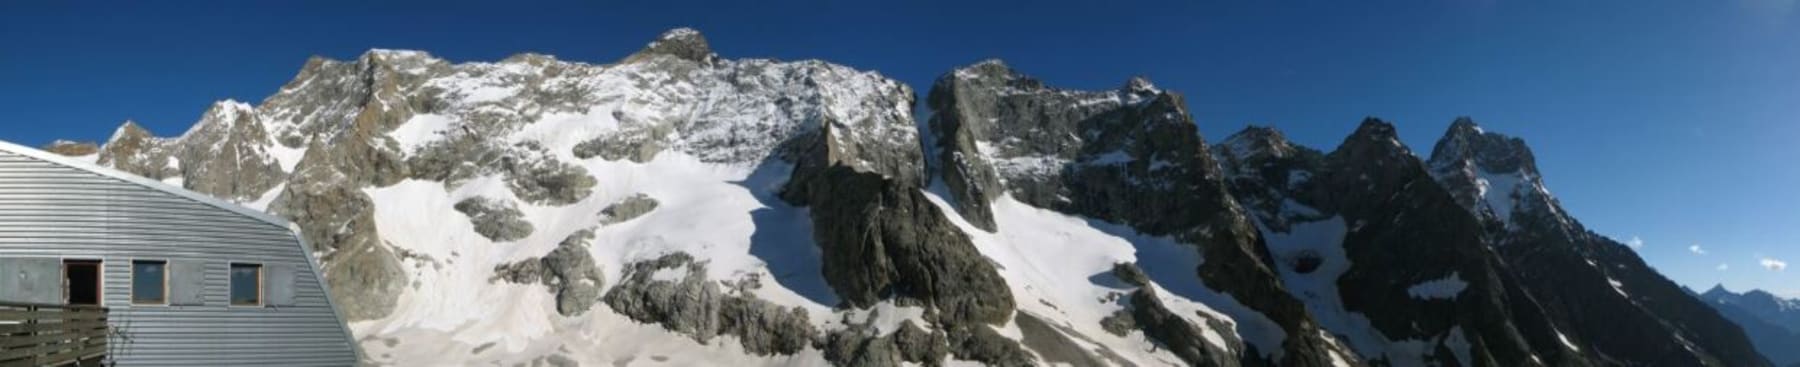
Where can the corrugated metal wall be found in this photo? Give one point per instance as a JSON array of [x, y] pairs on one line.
[[57, 211]]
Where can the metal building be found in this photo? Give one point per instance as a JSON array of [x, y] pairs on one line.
[[185, 279]]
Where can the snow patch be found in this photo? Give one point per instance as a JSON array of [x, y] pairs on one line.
[[1447, 287]]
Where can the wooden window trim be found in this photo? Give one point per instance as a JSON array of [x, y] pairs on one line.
[[99, 277], [261, 299], [132, 279]]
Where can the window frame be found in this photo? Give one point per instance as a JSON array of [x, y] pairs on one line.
[[62, 276], [132, 279], [231, 283]]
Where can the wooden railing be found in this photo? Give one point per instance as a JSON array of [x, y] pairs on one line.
[[51, 335]]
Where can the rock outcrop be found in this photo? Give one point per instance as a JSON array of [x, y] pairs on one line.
[[497, 220], [675, 291], [134, 149], [337, 219], [627, 209], [569, 271]]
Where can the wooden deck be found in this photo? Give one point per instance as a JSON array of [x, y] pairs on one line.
[[52, 335]]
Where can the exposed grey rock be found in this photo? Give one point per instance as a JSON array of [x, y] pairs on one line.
[[1050, 343], [916, 345], [882, 238], [683, 43], [569, 271], [455, 159], [135, 150], [542, 179], [72, 148], [683, 300], [859, 346], [226, 155], [1130, 274], [1183, 338], [981, 343], [372, 93], [627, 209], [1119, 323], [336, 218], [639, 144], [497, 220]]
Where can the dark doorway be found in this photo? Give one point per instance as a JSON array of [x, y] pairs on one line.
[[81, 282]]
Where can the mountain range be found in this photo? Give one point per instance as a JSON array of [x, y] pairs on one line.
[[1773, 323], [682, 208]]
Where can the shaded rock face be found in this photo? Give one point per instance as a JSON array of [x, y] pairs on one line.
[[1643, 319], [569, 271], [497, 220], [860, 345], [1129, 156], [336, 219], [1400, 230], [674, 291], [879, 235], [882, 238], [627, 209], [1146, 312], [72, 148]]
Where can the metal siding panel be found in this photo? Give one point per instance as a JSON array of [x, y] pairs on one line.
[[33, 280], [53, 211], [281, 285], [187, 283]]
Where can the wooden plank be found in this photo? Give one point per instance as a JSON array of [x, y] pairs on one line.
[[48, 326], [16, 342], [25, 315], [27, 353], [70, 355]]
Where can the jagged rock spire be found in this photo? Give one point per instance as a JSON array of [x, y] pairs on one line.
[[1495, 176], [684, 43]]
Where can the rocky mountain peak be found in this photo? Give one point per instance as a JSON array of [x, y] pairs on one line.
[[223, 114], [1466, 143], [72, 148], [1717, 290], [1257, 141], [1375, 141], [683, 43], [1139, 84], [128, 131], [1494, 176]]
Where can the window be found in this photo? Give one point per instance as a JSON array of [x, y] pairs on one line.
[[246, 285], [149, 282], [81, 282]]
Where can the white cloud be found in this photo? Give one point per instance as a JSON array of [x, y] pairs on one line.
[[1724, 266], [1696, 249], [1773, 264], [1635, 242]]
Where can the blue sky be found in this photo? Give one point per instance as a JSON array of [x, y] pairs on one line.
[[1673, 121]]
